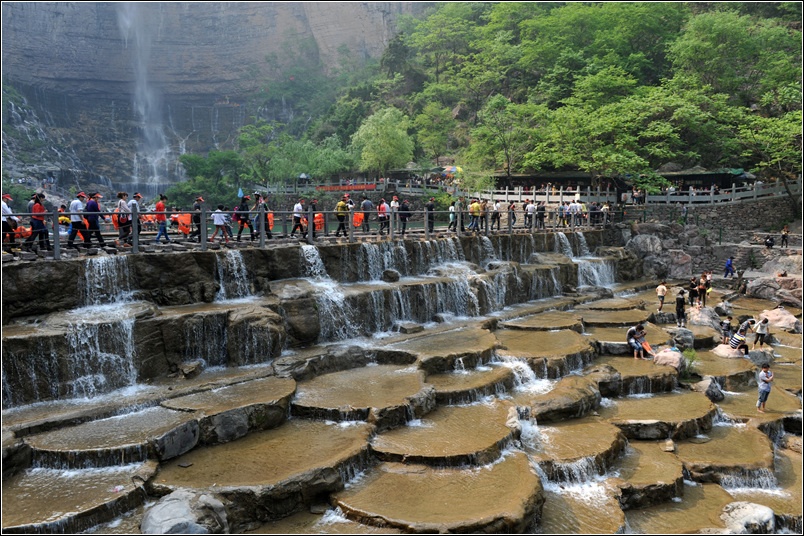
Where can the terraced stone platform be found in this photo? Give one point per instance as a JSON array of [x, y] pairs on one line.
[[421, 499], [385, 395], [662, 416], [473, 434]]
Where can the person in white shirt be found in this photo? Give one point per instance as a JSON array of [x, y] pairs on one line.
[[219, 220], [77, 220], [531, 213], [495, 215], [394, 211], [8, 220], [298, 214]]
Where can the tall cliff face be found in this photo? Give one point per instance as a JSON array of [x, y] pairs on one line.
[[124, 88], [190, 50]]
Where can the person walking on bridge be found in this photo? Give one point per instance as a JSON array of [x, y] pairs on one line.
[[77, 221]]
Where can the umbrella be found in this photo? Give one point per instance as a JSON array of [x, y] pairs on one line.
[[453, 169], [304, 176]]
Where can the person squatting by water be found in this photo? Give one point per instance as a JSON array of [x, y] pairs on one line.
[[636, 339], [738, 342], [764, 381]]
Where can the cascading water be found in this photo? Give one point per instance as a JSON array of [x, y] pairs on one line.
[[107, 279], [591, 272], [205, 338], [154, 158], [563, 245], [596, 272], [232, 276], [583, 247]]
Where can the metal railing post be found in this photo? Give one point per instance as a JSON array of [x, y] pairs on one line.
[[135, 224], [56, 236], [263, 225], [426, 223], [310, 224], [203, 229]]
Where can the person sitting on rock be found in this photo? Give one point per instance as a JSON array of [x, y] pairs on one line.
[[738, 342]]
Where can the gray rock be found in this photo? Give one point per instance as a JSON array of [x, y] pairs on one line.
[[713, 392], [743, 517], [186, 512], [682, 338], [390, 276]]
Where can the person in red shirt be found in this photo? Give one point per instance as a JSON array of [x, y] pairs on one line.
[[161, 219], [38, 229]]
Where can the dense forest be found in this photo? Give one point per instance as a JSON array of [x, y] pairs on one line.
[[611, 89]]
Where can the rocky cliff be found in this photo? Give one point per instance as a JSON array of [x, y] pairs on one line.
[[193, 51], [113, 93]]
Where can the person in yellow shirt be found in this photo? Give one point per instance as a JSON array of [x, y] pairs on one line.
[[474, 213]]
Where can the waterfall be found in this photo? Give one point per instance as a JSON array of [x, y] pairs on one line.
[[562, 245], [312, 264], [205, 338], [102, 356], [487, 253], [749, 478], [583, 247], [543, 287], [232, 276], [337, 317], [153, 159], [374, 258], [596, 273], [107, 279]]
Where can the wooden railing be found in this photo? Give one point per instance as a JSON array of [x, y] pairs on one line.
[[555, 195]]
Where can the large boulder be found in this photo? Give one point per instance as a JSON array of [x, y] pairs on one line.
[[705, 316], [682, 337], [186, 512], [743, 517], [786, 290], [644, 245], [680, 264], [724, 350], [783, 319], [670, 357]]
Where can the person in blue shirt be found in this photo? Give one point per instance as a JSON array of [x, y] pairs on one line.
[[729, 269]]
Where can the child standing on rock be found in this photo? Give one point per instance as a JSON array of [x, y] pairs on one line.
[[765, 379]]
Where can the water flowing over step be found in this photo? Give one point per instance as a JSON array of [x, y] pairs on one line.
[[449, 436], [661, 416], [421, 499], [429, 402]]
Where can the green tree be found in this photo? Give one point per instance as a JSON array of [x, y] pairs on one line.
[[433, 127], [737, 55], [383, 142], [502, 136], [773, 144]]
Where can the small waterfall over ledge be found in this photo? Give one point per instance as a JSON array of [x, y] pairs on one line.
[[232, 276], [592, 272]]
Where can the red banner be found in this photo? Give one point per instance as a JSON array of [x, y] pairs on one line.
[[347, 188]]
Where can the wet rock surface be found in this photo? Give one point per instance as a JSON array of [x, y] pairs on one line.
[[378, 434]]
